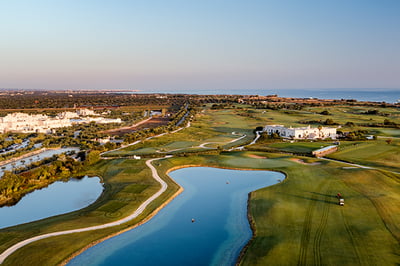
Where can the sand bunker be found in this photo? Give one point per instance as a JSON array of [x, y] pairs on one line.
[[257, 156], [303, 162]]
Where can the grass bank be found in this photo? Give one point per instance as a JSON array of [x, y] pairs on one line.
[[128, 183], [297, 221], [377, 154]]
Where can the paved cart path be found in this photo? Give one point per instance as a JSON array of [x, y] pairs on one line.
[[135, 214]]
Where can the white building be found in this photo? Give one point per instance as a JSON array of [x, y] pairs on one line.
[[21, 122], [85, 112], [301, 132], [27, 123], [67, 114], [100, 120]]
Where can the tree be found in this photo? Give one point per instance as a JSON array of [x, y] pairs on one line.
[[329, 121], [325, 112], [92, 157]]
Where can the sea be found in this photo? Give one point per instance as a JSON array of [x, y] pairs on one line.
[[374, 95]]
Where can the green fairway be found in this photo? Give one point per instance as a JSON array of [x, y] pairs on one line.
[[372, 153], [299, 221], [299, 147], [128, 183], [296, 222], [339, 114], [211, 129]]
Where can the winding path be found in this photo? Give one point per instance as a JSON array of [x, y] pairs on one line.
[[135, 214], [138, 141], [357, 165], [231, 141]]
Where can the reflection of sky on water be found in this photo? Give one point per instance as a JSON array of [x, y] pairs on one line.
[[216, 237], [59, 197], [34, 158]]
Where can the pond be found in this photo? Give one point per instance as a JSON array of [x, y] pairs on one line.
[[205, 225], [58, 198], [34, 158]]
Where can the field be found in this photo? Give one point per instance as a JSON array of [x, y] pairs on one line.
[[210, 130], [372, 153], [298, 147], [339, 114], [299, 221], [152, 123], [127, 185], [296, 222]]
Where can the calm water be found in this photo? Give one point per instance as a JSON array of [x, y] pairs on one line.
[[219, 232], [34, 158], [59, 197], [376, 95]]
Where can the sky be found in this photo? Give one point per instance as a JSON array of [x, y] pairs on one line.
[[199, 44]]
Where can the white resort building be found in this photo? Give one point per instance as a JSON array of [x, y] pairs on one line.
[[27, 123], [302, 132]]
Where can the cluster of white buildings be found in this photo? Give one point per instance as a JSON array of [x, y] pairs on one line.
[[302, 132], [39, 123]]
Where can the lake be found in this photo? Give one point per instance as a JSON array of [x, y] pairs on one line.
[[217, 201], [58, 198], [34, 158]]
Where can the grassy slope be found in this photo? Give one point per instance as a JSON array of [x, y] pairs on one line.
[[297, 221], [339, 114], [372, 153], [214, 127], [127, 183], [299, 147]]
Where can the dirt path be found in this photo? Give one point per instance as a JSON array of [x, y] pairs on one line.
[[135, 214]]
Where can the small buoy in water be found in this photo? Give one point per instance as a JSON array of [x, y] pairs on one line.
[[192, 220]]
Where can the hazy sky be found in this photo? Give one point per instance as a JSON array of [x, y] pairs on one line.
[[199, 44]]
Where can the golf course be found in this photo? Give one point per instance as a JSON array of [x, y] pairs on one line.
[[295, 222]]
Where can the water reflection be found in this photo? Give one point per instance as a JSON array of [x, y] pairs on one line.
[[59, 197], [217, 201]]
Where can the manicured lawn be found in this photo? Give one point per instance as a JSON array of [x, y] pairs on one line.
[[299, 147], [386, 132], [297, 221], [128, 183], [371, 153], [213, 127], [339, 114]]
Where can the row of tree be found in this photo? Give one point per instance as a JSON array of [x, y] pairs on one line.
[[14, 186]]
